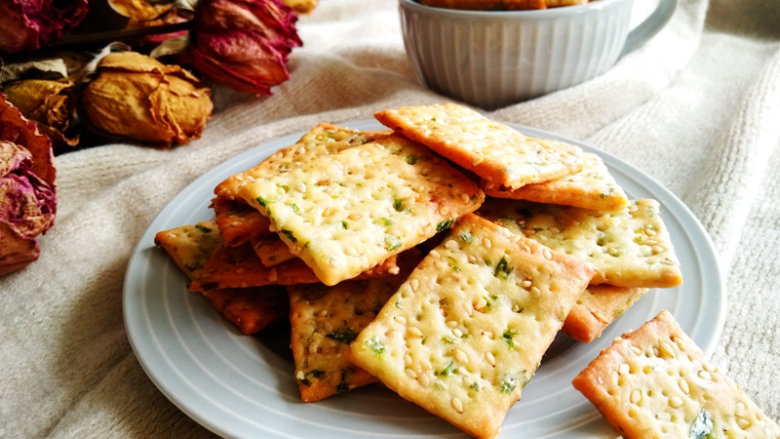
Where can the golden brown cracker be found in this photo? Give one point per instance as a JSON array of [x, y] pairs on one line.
[[271, 250], [468, 328], [593, 187], [238, 221], [498, 154], [342, 213], [190, 246], [239, 267], [598, 307], [655, 382], [630, 247], [250, 309], [321, 140]]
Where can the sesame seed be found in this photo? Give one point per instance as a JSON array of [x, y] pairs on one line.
[[527, 284], [675, 402], [623, 369], [424, 380], [407, 360], [481, 303], [411, 373], [414, 331], [414, 283], [683, 386], [451, 244], [460, 356], [400, 319], [490, 359], [457, 405], [636, 396], [487, 242], [635, 350], [355, 216], [743, 423], [425, 364], [452, 323], [457, 332], [434, 254]]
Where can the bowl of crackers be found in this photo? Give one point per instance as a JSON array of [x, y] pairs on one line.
[[493, 53]]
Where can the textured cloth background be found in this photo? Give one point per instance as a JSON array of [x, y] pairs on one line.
[[697, 108]]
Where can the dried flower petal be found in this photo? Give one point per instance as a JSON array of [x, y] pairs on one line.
[[49, 103], [15, 128], [137, 97], [31, 24], [244, 44], [27, 203]]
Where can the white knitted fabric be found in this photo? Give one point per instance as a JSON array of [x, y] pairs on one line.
[[697, 108]]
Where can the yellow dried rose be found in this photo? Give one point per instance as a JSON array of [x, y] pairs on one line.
[[49, 103], [137, 97]]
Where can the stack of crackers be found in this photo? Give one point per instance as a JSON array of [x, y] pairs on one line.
[[439, 257]]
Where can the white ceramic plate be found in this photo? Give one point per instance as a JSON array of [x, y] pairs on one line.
[[242, 386]]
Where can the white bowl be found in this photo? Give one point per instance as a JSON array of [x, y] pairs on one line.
[[490, 59]]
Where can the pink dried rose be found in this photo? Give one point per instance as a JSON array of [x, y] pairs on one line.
[[32, 24], [28, 203], [244, 44]]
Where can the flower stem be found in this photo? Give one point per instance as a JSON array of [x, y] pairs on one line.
[[98, 39]]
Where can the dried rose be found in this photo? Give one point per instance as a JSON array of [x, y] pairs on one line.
[[244, 44], [27, 208], [137, 97], [16, 128], [49, 103], [28, 203], [31, 24]]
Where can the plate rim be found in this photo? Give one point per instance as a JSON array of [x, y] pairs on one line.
[[715, 291]]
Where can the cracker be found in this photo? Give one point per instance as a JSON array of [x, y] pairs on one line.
[[238, 222], [655, 382], [593, 187], [324, 321], [630, 247], [596, 308], [343, 213], [271, 250], [190, 246], [468, 328], [321, 140], [239, 267], [500, 155], [250, 309]]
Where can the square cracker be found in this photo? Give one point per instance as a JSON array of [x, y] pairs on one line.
[[271, 250], [238, 222], [343, 213], [325, 320], [190, 246], [468, 328], [321, 140], [593, 187], [498, 154], [655, 382], [629, 247], [250, 309], [597, 308], [239, 267]]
